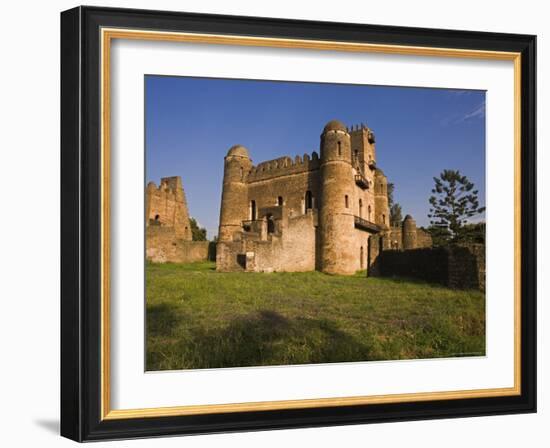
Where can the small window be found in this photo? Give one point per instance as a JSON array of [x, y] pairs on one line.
[[339, 148], [383, 219], [157, 217], [253, 210], [360, 208], [346, 198], [280, 201], [308, 201], [369, 213]]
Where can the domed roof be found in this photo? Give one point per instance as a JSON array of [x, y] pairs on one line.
[[335, 125], [238, 150], [408, 218]]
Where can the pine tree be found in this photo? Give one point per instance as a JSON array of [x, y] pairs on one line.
[[453, 202]]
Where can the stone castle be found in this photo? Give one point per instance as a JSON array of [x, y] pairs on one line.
[[326, 212]]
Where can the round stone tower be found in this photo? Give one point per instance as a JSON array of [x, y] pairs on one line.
[[381, 207], [409, 233], [234, 207], [336, 221]]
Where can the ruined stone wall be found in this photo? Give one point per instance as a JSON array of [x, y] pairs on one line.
[[166, 206], [423, 238], [459, 267], [293, 249], [467, 267], [163, 246]]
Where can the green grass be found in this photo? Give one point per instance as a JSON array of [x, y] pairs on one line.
[[199, 318]]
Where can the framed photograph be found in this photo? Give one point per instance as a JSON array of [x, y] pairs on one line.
[[276, 224]]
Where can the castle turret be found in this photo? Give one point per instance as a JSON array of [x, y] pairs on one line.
[[234, 206], [363, 148], [409, 233], [382, 216], [336, 221]]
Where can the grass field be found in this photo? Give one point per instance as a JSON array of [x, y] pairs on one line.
[[198, 318]]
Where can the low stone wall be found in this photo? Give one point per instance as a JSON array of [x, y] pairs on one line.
[[163, 247], [458, 267]]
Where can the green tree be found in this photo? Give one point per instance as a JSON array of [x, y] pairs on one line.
[[472, 233], [396, 215], [198, 233], [391, 189], [453, 201], [441, 236]]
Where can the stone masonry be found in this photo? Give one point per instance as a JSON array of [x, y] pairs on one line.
[[168, 236]]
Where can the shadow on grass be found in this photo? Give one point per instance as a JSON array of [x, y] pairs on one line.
[[161, 320], [257, 339]]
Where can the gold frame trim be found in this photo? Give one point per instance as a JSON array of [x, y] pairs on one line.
[[107, 35]]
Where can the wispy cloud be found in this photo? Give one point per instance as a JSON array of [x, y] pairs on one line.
[[477, 112]]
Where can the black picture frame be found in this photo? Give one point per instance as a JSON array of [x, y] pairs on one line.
[[81, 224]]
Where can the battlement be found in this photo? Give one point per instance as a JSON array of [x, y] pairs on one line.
[[171, 184], [283, 166], [362, 128]]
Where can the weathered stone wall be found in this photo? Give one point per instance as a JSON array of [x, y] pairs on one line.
[[423, 238], [291, 189], [166, 206], [162, 246], [395, 238], [263, 252], [459, 267], [467, 267]]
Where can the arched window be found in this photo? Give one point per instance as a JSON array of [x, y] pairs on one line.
[[308, 201], [253, 210], [383, 219], [346, 199], [157, 217], [360, 208], [339, 148], [280, 201], [369, 213]]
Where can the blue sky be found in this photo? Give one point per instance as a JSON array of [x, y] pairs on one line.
[[192, 122]]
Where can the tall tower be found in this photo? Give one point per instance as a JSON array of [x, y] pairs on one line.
[[234, 207], [381, 206], [336, 221], [409, 233], [363, 148]]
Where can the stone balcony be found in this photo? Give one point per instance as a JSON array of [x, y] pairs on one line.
[[363, 224], [361, 181]]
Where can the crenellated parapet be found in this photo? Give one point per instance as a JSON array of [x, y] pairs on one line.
[[283, 166]]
